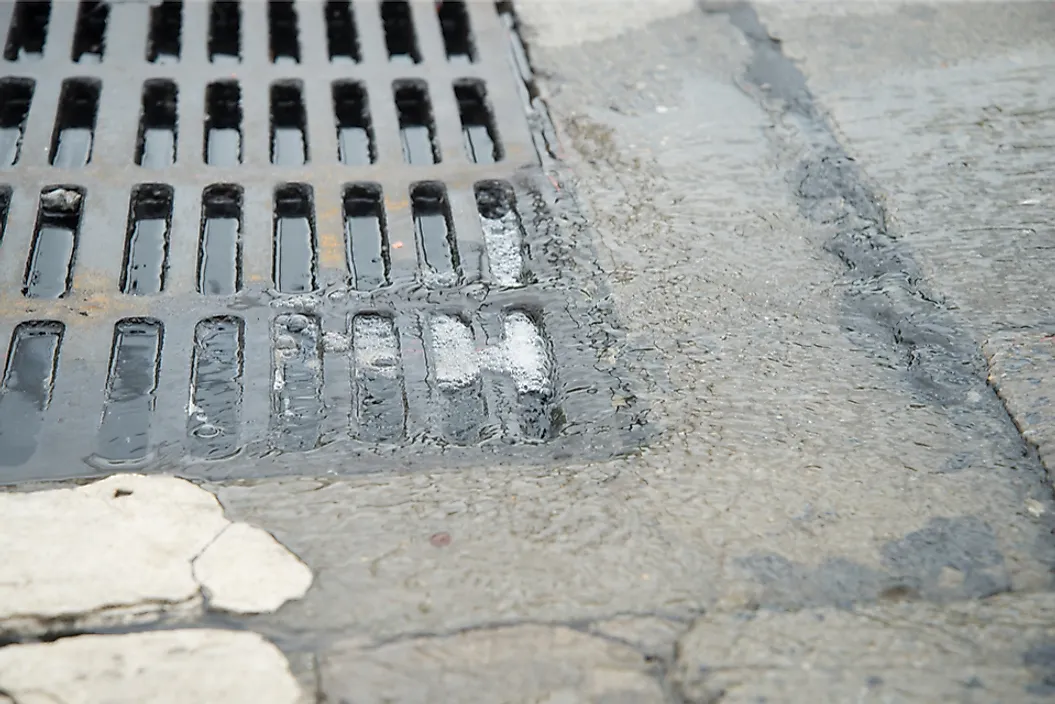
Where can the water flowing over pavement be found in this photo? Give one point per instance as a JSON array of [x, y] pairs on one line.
[[802, 254]]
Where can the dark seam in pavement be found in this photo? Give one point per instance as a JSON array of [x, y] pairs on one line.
[[580, 625], [59, 627], [888, 301]]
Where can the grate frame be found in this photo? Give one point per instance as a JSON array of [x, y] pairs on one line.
[[564, 295]]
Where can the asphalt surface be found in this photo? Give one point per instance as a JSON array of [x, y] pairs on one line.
[[827, 234]]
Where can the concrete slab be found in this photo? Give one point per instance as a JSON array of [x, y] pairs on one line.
[[165, 667], [1000, 649], [1022, 370], [130, 549]]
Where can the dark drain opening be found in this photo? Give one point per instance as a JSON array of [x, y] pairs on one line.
[[457, 35], [400, 38], [416, 129], [289, 137], [355, 136], [341, 33], [166, 26], [366, 236], [71, 142], [131, 386], [49, 270], [16, 94], [5, 207], [29, 30], [503, 232], [223, 124], [220, 253], [478, 129], [225, 32], [282, 26], [25, 394], [89, 39], [296, 398], [147, 244], [156, 144], [435, 232], [377, 380], [214, 415], [295, 263]]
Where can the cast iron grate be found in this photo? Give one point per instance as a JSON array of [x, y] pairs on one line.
[[253, 238]]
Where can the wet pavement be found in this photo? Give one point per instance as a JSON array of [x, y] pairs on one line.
[[810, 243]]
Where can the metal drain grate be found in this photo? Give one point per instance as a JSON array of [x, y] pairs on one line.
[[254, 238]]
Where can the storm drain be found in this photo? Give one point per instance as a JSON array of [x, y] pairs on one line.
[[258, 238]]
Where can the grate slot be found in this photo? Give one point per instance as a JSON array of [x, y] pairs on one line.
[[25, 393], [355, 135], [282, 29], [435, 233], [366, 236], [503, 231], [29, 31], [71, 141], [400, 38], [220, 253], [526, 358], [380, 403], [457, 33], [456, 373], [50, 267], [223, 124], [295, 263], [215, 409], [156, 144], [289, 130], [5, 208], [147, 243], [131, 387], [479, 136], [166, 28], [16, 95], [89, 37], [296, 382], [342, 36], [225, 32], [417, 131]]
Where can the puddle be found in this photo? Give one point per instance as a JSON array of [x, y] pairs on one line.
[[416, 130], [432, 226], [355, 136], [364, 228], [380, 406], [25, 393], [214, 412], [223, 124], [124, 433], [296, 388], [294, 256], [71, 146], [49, 271], [220, 254], [146, 252]]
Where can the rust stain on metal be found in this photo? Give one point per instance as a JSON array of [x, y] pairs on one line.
[[331, 250], [394, 204]]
